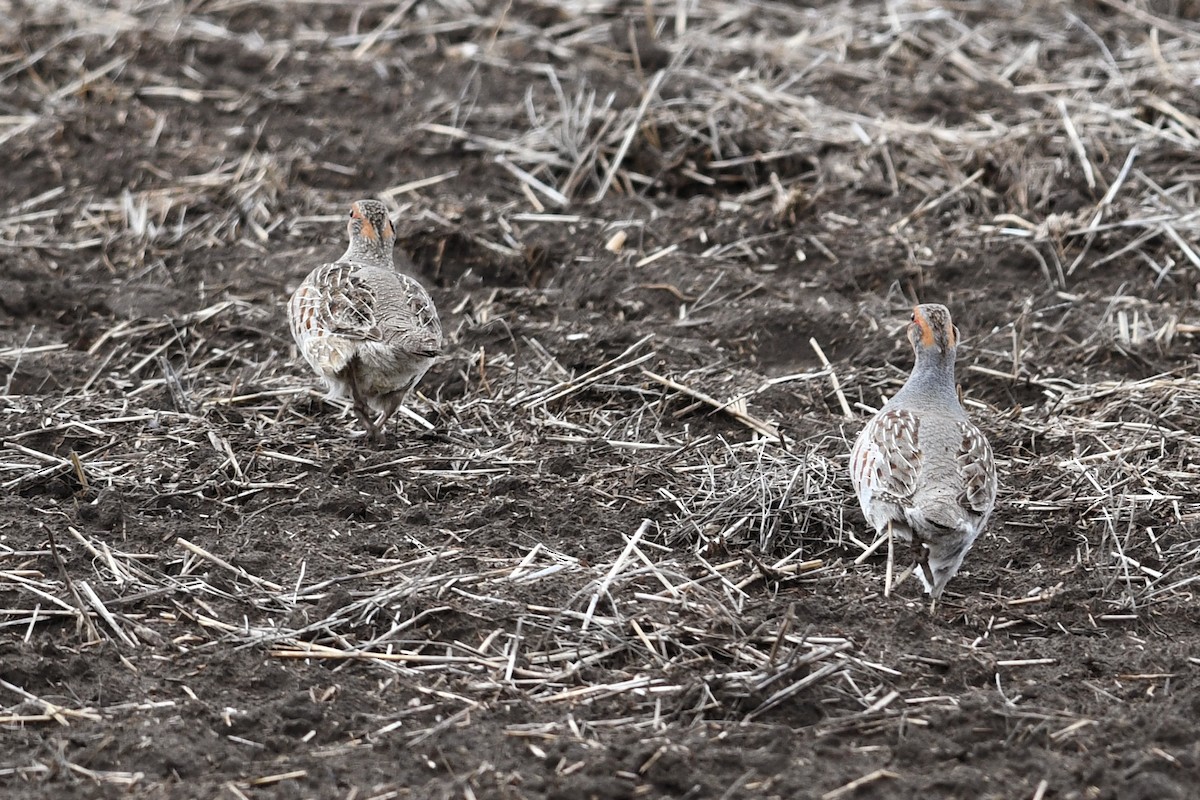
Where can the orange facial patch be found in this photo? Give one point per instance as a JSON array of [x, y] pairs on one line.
[[366, 228], [924, 326]]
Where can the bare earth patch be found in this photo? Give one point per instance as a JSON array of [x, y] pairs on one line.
[[674, 245]]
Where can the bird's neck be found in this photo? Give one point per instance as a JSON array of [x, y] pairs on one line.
[[370, 252], [933, 374]]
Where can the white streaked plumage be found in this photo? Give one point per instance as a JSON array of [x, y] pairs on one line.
[[370, 331], [920, 465]]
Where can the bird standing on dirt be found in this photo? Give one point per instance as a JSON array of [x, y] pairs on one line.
[[922, 471], [370, 331]]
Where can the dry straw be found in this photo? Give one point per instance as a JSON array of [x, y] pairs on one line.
[[206, 409]]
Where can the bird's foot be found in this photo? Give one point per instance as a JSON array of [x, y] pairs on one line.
[[372, 426]]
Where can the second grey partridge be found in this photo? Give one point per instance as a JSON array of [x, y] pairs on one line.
[[922, 470], [370, 331]]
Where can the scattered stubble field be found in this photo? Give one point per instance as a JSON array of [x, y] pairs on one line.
[[622, 564]]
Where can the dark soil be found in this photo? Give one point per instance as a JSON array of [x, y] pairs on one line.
[[181, 517]]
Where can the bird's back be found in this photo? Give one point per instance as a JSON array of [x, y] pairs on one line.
[[404, 311], [331, 314], [928, 472], [348, 310]]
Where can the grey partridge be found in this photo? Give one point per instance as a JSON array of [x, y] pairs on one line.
[[370, 331], [923, 472]]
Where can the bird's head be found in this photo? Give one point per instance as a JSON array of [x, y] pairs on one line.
[[371, 230], [932, 331]]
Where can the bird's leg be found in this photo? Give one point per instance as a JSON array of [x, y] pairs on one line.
[[362, 410], [925, 568], [887, 576], [390, 403], [364, 416], [923, 560]]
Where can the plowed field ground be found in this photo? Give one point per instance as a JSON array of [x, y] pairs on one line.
[[674, 245]]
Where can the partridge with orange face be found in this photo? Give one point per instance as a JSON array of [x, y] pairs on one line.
[[370, 331], [923, 472]]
